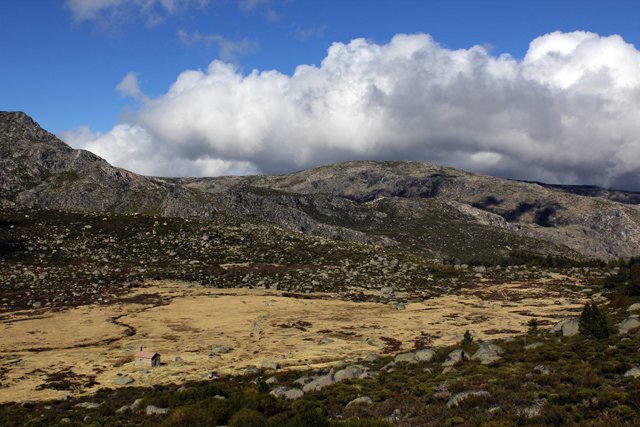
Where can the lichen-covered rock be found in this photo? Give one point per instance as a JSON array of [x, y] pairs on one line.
[[455, 356], [319, 383], [425, 355], [373, 357], [630, 322], [570, 327], [153, 410], [542, 369], [348, 373], [286, 393], [220, 349], [271, 365], [488, 353], [406, 357], [634, 307], [363, 400], [455, 400], [633, 372], [533, 345], [123, 380]]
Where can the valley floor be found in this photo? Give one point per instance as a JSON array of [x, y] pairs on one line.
[[47, 353]]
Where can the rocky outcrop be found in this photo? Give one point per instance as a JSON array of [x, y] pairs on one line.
[[401, 204]]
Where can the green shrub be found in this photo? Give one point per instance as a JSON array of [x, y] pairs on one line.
[[187, 416], [453, 421], [248, 418], [593, 322]]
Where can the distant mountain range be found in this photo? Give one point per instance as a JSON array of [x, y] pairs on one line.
[[439, 212]]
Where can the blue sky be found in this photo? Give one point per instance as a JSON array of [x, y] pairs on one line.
[[100, 73]]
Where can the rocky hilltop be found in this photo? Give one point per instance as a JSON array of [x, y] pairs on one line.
[[435, 211]]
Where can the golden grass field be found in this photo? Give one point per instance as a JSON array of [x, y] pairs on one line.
[[44, 348]]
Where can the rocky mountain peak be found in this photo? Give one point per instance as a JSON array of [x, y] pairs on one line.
[[17, 126], [432, 210]]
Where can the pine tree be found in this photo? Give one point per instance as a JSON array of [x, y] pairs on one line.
[[594, 322], [585, 327], [599, 322], [467, 339]]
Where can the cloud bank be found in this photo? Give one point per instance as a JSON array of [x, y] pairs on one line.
[[569, 112]]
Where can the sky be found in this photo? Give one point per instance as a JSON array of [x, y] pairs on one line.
[[533, 90]]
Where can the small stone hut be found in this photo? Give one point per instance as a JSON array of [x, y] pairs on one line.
[[147, 358]]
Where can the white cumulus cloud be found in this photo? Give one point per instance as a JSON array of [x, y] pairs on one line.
[[569, 112]]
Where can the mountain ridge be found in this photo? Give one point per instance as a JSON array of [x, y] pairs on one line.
[[410, 205]]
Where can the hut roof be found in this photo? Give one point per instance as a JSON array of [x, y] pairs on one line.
[[146, 354]]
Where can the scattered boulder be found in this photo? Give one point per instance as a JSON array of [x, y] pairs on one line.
[[395, 416], [152, 410], [131, 407], [634, 307], [630, 322], [364, 400], [448, 370], [368, 375], [373, 357], [558, 326], [633, 372], [348, 373], [570, 327], [219, 348], [278, 392], [542, 369], [487, 353], [271, 365], [88, 405], [534, 345], [388, 366], [177, 359], [289, 394], [455, 356], [252, 370], [406, 357], [425, 355], [303, 380], [461, 396], [318, 383], [123, 380], [271, 381], [326, 341], [293, 394], [386, 291]]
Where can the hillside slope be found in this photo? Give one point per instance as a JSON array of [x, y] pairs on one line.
[[431, 210]]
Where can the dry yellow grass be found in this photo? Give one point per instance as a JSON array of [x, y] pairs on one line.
[[258, 325]]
